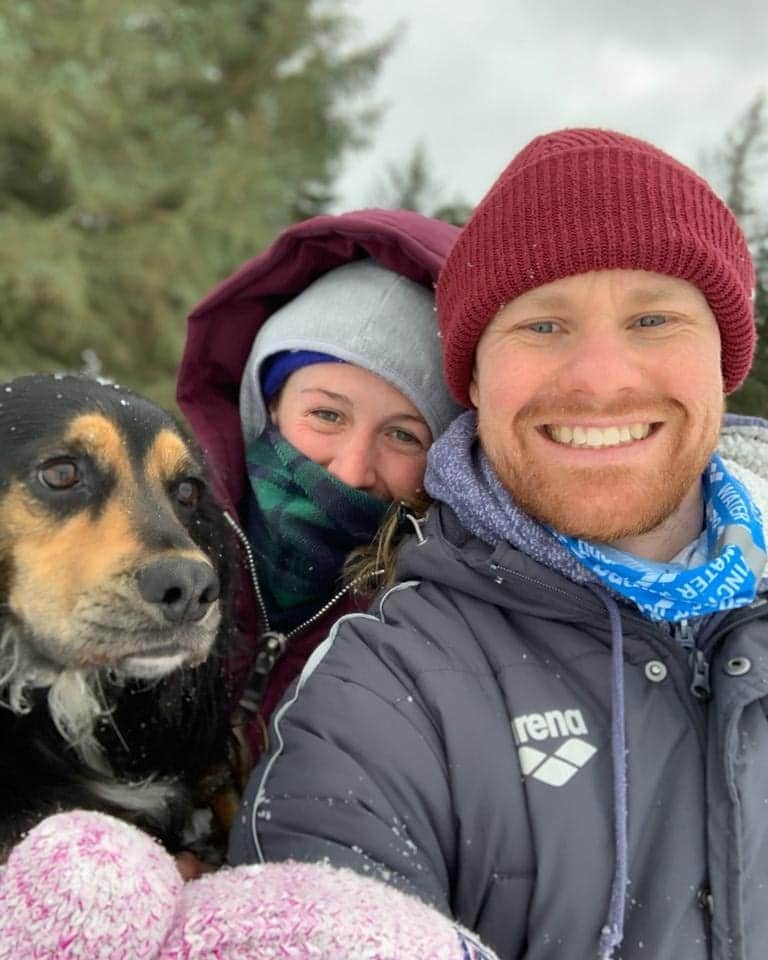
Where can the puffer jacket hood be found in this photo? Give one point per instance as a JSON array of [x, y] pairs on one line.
[[220, 334], [223, 325]]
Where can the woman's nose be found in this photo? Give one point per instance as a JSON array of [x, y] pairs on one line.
[[354, 463]]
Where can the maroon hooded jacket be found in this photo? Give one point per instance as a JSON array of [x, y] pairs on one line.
[[220, 334]]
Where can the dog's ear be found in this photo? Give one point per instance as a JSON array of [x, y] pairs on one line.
[[211, 531]]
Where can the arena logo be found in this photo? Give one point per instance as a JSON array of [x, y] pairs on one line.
[[557, 768]]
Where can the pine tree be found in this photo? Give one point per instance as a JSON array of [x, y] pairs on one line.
[[413, 186], [146, 150], [745, 153]]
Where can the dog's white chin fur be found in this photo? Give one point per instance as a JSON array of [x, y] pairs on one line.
[[152, 668]]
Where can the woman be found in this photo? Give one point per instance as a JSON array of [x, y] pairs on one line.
[[312, 379]]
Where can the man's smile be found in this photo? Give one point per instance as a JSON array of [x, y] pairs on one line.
[[591, 436]]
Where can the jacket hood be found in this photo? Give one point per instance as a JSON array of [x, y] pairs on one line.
[[744, 444], [221, 328]]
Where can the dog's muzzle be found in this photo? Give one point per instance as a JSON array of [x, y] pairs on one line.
[[181, 589]]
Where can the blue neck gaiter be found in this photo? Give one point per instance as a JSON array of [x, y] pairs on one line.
[[672, 592]]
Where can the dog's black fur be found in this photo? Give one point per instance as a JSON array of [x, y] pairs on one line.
[[113, 586]]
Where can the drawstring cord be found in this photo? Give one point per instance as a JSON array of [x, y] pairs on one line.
[[612, 933]]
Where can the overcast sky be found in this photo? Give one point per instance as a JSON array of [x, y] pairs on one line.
[[474, 80]]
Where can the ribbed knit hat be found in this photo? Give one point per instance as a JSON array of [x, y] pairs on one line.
[[580, 200]]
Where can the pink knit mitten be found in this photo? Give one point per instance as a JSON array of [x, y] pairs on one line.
[[83, 886], [308, 912]]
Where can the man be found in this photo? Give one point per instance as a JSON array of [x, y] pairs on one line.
[[554, 728]]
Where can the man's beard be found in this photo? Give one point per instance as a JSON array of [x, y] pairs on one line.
[[612, 502]]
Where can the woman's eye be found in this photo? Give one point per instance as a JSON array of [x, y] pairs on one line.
[[404, 436], [59, 474], [188, 493], [651, 320], [329, 416]]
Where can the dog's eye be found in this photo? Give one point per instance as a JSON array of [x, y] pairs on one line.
[[188, 493], [59, 474]]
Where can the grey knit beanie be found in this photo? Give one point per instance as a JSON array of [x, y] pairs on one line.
[[364, 314]]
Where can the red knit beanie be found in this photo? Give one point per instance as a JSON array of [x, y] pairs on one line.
[[581, 200]]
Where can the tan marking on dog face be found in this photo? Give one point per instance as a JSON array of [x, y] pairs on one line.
[[56, 561], [73, 577], [99, 436], [167, 458]]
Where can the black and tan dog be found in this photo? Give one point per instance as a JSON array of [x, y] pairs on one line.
[[112, 569]]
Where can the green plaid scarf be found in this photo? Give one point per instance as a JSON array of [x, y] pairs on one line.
[[301, 522]]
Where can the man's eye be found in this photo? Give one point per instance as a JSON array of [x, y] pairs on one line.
[[651, 320], [543, 326], [188, 492], [59, 474]]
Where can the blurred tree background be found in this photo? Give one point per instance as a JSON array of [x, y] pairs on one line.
[[146, 149], [744, 162], [413, 185]]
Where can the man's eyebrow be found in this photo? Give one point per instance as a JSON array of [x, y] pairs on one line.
[[655, 294], [546, 300]]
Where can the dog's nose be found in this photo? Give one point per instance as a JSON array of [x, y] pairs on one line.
[[183, 589]]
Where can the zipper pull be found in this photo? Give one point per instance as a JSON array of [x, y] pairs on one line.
[[271, 647], [700, 675]]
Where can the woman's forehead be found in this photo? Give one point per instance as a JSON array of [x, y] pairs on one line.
[[351, 384]]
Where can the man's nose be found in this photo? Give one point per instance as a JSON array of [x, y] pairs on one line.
[[354, 463], [603, 363]]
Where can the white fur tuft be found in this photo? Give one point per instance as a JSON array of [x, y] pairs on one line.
[[74, 700]]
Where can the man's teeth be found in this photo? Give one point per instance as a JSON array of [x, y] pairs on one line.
[[599, 437]]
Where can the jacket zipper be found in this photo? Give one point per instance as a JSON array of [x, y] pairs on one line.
[[251, 563], [273, 642], [697, 662], [698, 659], [496, 567]]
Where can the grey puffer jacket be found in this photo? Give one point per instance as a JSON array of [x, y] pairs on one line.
[[457, 742]]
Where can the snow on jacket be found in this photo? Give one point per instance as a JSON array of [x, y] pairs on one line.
[[220, 334], [457, 743]]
